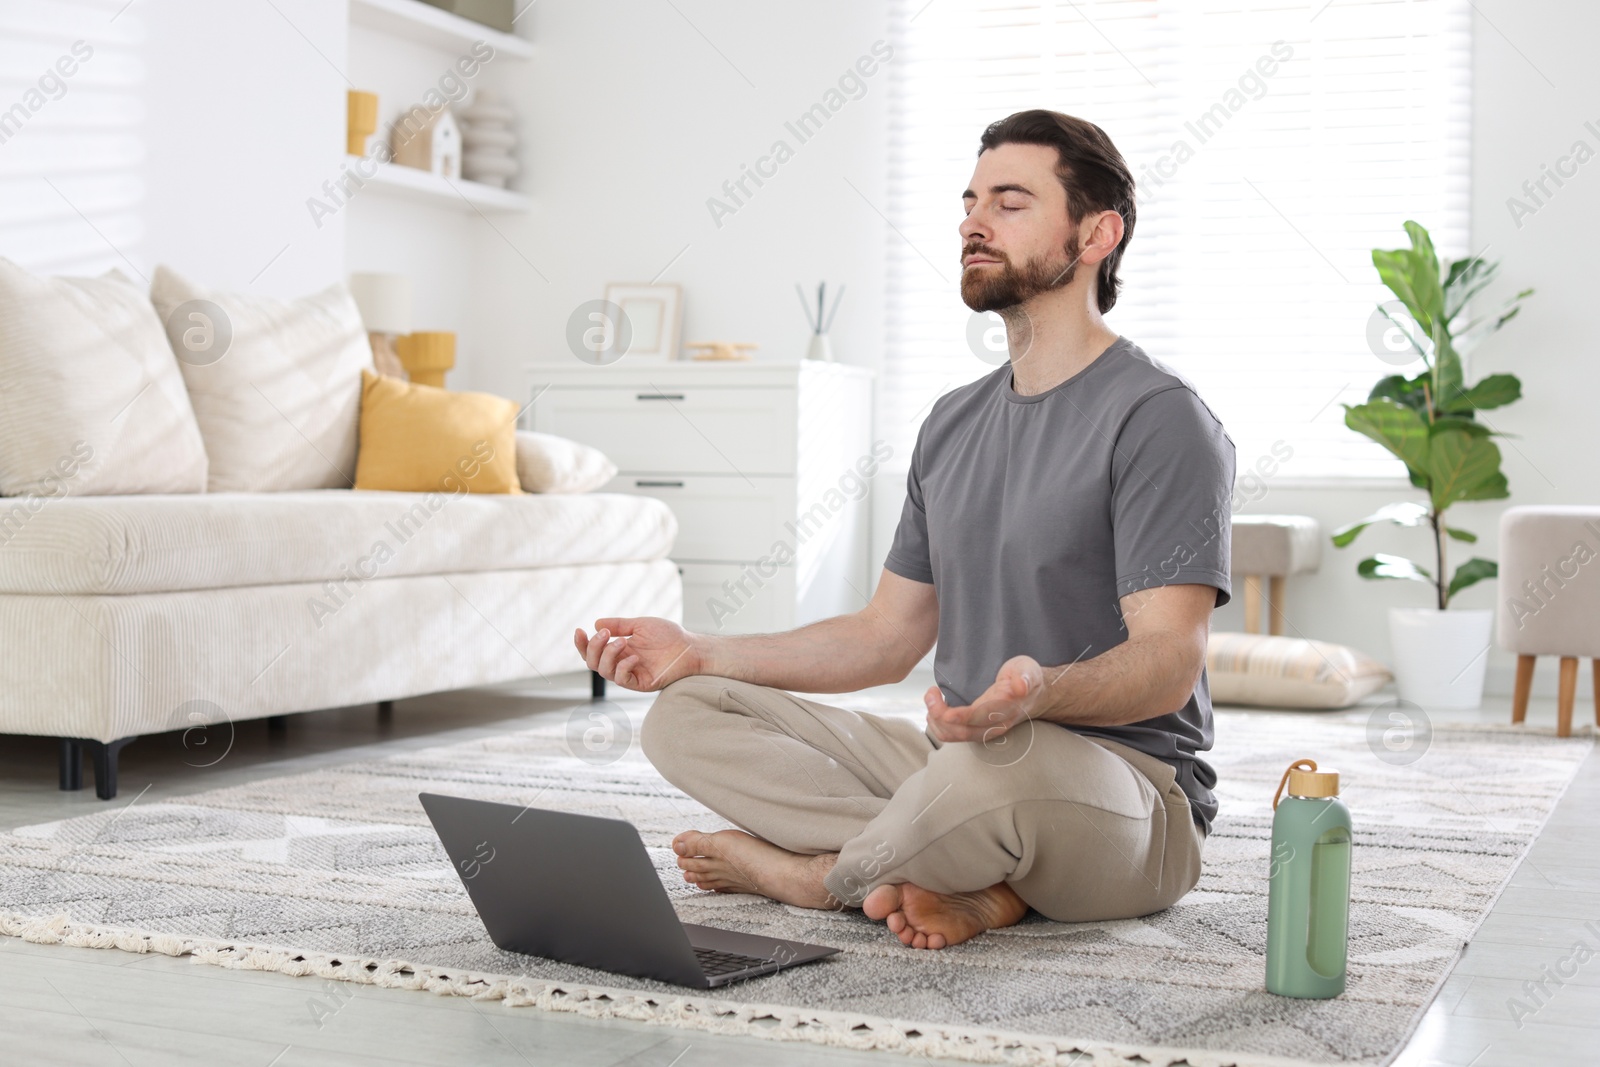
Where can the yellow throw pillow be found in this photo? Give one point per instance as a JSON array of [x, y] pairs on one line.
[[422, 439]]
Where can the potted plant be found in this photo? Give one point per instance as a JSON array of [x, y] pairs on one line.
[[1429, 422]]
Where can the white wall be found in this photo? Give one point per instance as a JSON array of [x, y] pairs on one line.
[[1535, 86], [190, 136], [71, 142], [244, 122], [632, 119]]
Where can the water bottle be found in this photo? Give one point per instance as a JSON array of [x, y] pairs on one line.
[[1308, 897]]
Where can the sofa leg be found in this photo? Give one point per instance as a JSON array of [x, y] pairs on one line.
[[597, 685], [385, 712], [71, 764], [104, 756], [277, 724]]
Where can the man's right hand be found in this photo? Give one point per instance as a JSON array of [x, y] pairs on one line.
[[641, 654]]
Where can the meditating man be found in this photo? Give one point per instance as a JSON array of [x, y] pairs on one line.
[[1065, 537]]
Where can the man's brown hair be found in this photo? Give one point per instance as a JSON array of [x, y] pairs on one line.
[[1091, 170]]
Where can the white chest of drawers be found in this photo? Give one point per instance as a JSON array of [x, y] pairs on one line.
[[767, 467]]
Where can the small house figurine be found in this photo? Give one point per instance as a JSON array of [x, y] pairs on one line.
[[427, 140]]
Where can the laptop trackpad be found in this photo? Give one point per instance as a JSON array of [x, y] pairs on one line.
[[766, 948]]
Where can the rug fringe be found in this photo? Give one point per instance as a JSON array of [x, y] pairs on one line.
[[773, 1022]]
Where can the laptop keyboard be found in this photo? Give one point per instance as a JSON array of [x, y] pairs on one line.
[[716, 963]]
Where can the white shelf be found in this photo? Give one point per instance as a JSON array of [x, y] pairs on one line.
[[460, 194], [416, 21]]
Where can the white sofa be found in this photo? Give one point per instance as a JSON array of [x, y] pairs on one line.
[[130, 615], [180, 548]]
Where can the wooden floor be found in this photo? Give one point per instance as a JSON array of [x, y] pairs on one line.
[[85, 1006]]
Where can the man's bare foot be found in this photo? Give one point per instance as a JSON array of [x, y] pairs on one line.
[[732, 861], [924, 919]]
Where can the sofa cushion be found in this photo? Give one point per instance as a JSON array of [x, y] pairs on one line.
[[419, 438], [547, 463], [146, 544], [91, 400], [275, 384]]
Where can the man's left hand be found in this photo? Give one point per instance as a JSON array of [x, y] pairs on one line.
[[1013, 697]]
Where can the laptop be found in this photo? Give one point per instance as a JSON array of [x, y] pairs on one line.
[[581, 889]]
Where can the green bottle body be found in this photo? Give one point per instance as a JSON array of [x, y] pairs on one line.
[[1308, 897]]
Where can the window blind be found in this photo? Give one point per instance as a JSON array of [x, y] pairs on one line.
[[1274, 144], [72, 142]]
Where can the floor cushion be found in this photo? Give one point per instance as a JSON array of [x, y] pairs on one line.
[[1264, 670]]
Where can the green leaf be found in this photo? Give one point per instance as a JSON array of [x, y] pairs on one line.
[[1471, 572], [1397, 271], [1402, 390], [1384, 565], [1447, 380], [1422, 247], [1491, 392], [1467, 278], [1463, 467], [1463, 271], [1399, 429], [1394, 268], [1425, 275], [1462, 535], [1464, 423], [1405, 513]]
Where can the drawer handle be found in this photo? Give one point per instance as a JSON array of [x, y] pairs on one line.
[[658, 396], [645, 483]]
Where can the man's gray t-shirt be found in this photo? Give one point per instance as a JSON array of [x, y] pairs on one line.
[[1033, 515]]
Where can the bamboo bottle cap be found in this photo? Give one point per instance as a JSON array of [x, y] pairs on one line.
[[1305, 780]]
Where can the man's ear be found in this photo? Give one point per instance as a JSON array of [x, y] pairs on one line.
[[1103, 232]]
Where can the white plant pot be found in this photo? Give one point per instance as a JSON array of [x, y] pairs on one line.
[[1440, 656]]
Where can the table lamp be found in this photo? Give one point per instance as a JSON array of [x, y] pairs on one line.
[[427, 355], [385, 304]]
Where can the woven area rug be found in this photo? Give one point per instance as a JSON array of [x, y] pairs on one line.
[[336, 873]]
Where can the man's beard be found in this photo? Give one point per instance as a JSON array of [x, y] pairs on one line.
[[986, 289]]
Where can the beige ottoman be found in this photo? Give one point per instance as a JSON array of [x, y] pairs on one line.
[[1272, 547], [1550, 598]]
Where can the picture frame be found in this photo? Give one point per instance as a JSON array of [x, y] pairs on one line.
[[655, 314]]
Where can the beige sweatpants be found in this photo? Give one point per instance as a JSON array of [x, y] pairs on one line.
[[1082, 828]]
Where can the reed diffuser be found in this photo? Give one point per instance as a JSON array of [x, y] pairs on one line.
[[820, 323]]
